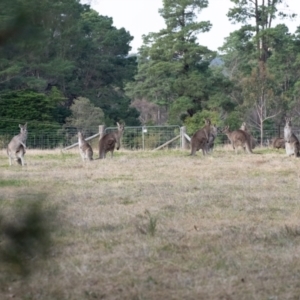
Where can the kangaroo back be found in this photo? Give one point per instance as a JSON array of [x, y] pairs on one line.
[[238, 138], [278, 143], [85, 149], [109, 141], [200, 139], [16, 148]]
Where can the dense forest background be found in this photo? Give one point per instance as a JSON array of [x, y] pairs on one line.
[[64, 65]]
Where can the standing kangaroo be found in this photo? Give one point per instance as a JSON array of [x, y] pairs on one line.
[[16, 148], [251, 138], [85, 149], [212, 137], [292, 145], [200, 139], [238, 138], [109, 140]]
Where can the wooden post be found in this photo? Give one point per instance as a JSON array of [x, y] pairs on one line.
[[101, 131]]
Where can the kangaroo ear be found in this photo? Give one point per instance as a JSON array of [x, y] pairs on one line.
[[118, 124]]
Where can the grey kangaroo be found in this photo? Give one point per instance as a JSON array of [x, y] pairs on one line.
[[278, 143], [251, 138], [85, 149], [238, 138], [16, 148], [108, 142], [212, 137], [200, 139], [292, 146]]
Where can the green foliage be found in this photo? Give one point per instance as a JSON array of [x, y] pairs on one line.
[[260, 61], [64, 50], [197, 121], [85, 116], [25, 106], [120, 111], [234, 120], [173, 69]]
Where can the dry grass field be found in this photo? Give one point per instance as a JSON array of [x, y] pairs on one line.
[[160, 225]]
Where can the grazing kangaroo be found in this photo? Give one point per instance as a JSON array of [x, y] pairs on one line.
[[278, 143], [109, 140], [16, 148], [212, 137], [292, 145], [251, 138], [238, 138], [200, 139], [85, 149]]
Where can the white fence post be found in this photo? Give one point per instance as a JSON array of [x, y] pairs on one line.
[[184, 138], [101, 131]]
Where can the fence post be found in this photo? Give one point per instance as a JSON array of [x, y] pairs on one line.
[[101, 131], [144, 130], [184, 144]]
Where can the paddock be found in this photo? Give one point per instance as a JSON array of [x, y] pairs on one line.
[[159, 225]]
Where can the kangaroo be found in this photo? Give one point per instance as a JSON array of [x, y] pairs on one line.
[[238, 138], [251, 138], [292, 145], [85, 149], [16, 148], [109, 140], [212, 137], [200, 139], [278, 143]]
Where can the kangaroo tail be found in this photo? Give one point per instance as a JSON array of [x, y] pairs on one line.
[[248, 147]]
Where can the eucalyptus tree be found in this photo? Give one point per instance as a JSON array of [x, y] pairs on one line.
[[173, 67], [248, 51]]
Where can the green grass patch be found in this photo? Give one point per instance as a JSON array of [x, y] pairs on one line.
[[13, 182]]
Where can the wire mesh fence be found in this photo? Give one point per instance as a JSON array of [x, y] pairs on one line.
[[148, 137], [43, 140], [134, 138]]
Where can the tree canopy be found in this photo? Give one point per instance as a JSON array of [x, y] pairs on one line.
[[67, 46], [53, 54]]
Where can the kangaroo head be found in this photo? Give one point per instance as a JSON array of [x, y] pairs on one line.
[[288, 122], [207, 122], [214, 129], [244, 126], [121, 127], [23, 128], [225, 129]]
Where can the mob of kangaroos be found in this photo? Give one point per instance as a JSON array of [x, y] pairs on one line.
[[16, 148], [85, 149], [108, 141], [292, 145], [238, 138]]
